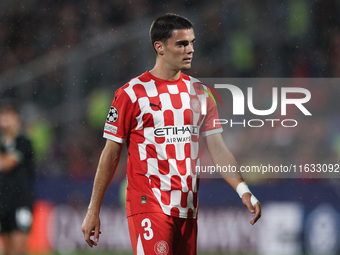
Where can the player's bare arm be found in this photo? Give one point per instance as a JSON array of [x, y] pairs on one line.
[[221, 155], [8, 161], [106, 168]]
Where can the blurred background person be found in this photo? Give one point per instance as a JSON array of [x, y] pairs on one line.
[[16, 181]]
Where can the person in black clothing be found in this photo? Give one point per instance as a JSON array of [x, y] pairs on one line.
[[16, 181]]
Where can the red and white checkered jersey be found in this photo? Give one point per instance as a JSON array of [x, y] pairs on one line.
[[161, 122]]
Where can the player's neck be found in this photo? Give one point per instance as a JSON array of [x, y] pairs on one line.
[[165, 73], [11, 135]]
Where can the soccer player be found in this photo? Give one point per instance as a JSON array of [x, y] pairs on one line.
[[16, 181], [158, 114]]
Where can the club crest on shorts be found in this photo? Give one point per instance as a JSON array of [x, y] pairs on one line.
[[161, 248], [113, 115]]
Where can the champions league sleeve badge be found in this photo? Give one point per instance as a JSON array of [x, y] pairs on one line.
[[113, 115]]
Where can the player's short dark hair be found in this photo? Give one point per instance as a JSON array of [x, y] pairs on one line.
[[162, 27], [7, 105]]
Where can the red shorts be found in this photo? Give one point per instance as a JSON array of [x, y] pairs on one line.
[[160, 234]]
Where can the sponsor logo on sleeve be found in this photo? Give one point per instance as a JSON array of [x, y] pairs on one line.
[[110, 128]]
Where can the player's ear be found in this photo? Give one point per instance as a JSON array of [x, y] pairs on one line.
[[159, 47]]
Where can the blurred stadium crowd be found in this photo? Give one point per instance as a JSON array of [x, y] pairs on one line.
[[292, 38]]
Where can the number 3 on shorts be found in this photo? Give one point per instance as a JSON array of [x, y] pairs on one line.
[[146, 224]]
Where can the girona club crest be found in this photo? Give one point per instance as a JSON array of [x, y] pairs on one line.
[[161, 248], [195, 105]]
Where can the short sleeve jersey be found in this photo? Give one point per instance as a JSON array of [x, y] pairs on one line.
[[161, 122]]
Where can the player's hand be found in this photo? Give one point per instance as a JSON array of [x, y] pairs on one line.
[[91, 227], [256, 209]]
